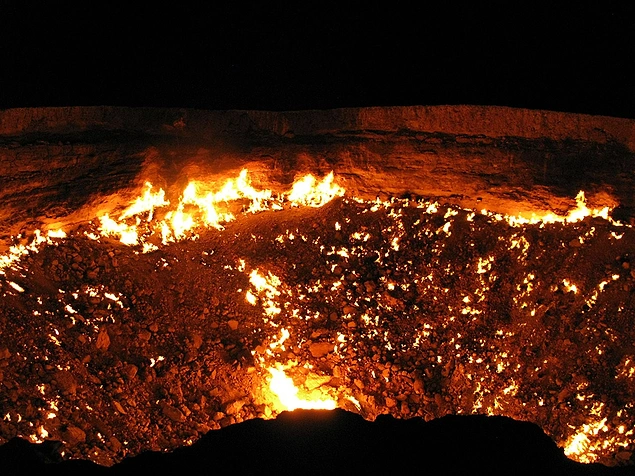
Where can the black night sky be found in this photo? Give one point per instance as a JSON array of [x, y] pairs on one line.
[[298, 56]]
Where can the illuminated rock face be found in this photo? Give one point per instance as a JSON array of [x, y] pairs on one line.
[[449, 297]]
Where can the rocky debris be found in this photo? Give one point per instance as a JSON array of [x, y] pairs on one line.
[[103, 339], [73, 436], [172, 413], [320, 349], [65, 382]]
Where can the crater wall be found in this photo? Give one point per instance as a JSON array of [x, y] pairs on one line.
[[59, 166]]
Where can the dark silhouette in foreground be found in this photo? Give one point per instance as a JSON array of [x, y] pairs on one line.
[[316, 442]]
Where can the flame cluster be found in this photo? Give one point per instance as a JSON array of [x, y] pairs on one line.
[[579, 213], [199, 207], [17, 252]]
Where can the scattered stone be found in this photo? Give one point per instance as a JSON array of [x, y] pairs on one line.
[[563, 395], [575, 243], [202, 428], [103, 339], [218, 416], [119, 407], [232, 408], [115, 444], [348, 309], [197, 340], [233, 324], [66, 382], [320, 349], [172, 413], [130, 371], [417, 385], [624, 456], [73, 435]]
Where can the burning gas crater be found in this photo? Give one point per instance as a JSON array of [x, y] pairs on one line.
[[406, 306]]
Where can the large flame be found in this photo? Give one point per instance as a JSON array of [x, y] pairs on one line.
[[286, 391], [307, 191]]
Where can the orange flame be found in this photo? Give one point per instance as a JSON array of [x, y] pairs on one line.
[[580, 212], [286, 391], [197, 208], [307, 192]]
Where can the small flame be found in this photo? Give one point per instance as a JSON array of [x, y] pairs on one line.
[[17, 252], [267, 286], [580, 445], [59, 233], [570, 286]]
